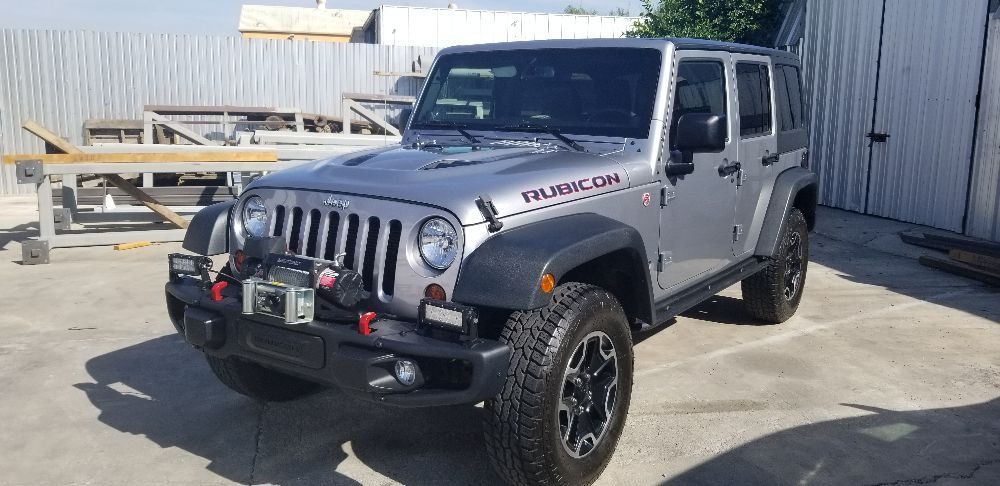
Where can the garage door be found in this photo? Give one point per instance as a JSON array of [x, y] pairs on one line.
[[893, 86]]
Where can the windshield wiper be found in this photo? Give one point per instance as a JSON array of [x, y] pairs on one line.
[[531, 127], [452, 125]]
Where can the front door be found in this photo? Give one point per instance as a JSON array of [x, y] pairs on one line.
[[696, 217]]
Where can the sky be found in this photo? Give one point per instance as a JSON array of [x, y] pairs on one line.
[[222, 16]]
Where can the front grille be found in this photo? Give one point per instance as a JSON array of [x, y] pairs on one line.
[[368, 245]]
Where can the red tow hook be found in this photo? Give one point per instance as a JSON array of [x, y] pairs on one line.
[[364, 323], [217, 290]]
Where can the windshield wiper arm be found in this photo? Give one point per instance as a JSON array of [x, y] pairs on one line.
[[530, 127], [452, 125]]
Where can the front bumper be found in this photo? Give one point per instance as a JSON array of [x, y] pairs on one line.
[[334, 354]]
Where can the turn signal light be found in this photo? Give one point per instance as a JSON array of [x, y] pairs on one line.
[[436, 292], [548, 283]]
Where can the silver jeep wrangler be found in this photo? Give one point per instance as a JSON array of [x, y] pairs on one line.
[[548, 199]]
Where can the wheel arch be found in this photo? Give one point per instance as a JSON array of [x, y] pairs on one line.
[[208, 233], [505, 271], [794, 188]]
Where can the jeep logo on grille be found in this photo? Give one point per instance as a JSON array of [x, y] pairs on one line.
[[336, 203]]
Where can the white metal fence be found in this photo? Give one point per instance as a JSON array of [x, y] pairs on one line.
[[61, 78]]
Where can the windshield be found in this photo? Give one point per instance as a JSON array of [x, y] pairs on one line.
[[585, 91]]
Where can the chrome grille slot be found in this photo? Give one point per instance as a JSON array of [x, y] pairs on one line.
[[314, 217], [295, 232], [368, 265], [391, 250], [333, 226], [350, 251], [279, 220]]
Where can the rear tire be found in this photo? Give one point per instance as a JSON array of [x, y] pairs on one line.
[[773, 294], [563, 405], [258, 382]]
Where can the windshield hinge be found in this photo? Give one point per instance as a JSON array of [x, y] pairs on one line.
[[489, 211]]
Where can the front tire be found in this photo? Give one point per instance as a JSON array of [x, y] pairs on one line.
[[773, 294], [257, 382], [562, 408]]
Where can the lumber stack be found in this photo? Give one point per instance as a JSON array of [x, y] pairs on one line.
[[967, 257]]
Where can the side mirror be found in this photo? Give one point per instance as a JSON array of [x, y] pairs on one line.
[[700, 132], [404, 117]]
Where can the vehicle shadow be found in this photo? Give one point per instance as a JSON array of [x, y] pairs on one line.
[[880, 447], [722, 309], [163, 390]]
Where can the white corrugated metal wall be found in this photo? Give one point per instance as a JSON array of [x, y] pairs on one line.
[[928, 81], [62, 78], [839, 57], [983, 219], [926, 85], [441, 27]]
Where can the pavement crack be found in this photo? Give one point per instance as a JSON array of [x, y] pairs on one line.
[[256, 440], [937, 477]]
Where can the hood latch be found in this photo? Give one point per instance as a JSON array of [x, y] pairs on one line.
[[489, 211]]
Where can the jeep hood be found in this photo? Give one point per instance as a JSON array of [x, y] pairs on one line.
[[518, 177]]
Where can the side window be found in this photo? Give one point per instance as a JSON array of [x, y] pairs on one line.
[[790, 113], [754, 87], [701, 88]]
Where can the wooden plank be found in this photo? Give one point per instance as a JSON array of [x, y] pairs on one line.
[[921, 241], [181, 130], [371, 116], [169, 196], [961, 269], [147, 157], [381, 98], [62, 144], [147, 200], [986, 262], [50, 137], [964, 243]]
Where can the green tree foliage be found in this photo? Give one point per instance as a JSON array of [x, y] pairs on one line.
[[575, 10], [618, 12], [745, 21]]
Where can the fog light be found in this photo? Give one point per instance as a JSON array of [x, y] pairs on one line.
[[193, 265], [406, 372]]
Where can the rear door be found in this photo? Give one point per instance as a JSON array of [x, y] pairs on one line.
[[696, 217], [757, 147]]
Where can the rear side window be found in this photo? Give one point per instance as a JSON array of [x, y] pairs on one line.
[[789, 101], [754, 86], [701, 88]]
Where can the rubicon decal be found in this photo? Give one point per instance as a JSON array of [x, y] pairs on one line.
[[567, 188]]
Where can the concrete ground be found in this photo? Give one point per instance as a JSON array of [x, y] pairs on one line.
[[888, 374]]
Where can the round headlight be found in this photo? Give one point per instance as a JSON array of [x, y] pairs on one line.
[[255, 217], [438, 243]]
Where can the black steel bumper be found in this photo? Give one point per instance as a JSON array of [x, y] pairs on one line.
[[450, 372]]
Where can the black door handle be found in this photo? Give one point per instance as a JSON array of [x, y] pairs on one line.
[[770, 159], [727, 170]]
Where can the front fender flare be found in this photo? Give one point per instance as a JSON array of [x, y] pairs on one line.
[[208, 233], [505, 271]]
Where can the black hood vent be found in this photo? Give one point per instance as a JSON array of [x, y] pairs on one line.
[[446, 163]]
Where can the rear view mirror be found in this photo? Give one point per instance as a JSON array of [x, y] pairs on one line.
[[700, 132]]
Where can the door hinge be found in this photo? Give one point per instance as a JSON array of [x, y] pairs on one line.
[[737, 232], [666, 195], [663, 260], [741, 177]]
